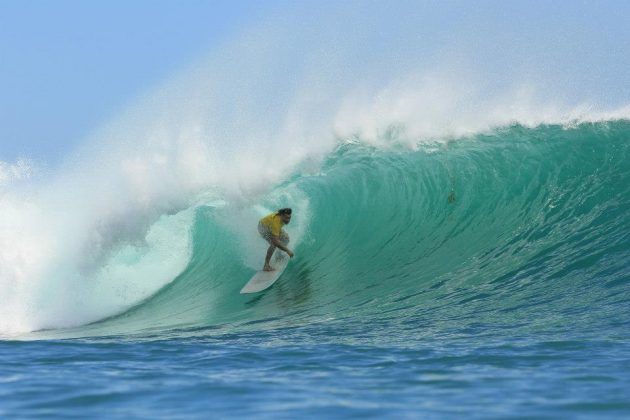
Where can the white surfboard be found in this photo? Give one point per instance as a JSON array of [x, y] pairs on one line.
[[264, 279]]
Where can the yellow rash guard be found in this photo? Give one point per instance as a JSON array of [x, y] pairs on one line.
[[273, 222]]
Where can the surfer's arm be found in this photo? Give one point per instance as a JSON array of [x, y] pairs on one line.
[[276, 241]]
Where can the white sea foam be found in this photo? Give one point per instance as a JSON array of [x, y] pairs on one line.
[[22, 169]]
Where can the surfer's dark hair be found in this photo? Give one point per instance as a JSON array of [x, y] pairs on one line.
[[285, 211]]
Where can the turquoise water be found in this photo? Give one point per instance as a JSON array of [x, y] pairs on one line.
[[485, 276]]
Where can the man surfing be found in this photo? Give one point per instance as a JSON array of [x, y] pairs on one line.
[[270, 228]]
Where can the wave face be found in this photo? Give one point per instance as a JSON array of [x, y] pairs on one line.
[[520, 228], [151, 220]]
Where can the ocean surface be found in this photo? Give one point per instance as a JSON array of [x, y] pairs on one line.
[[485, 276]]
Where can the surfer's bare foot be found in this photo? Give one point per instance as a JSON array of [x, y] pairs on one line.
[[268, 268]]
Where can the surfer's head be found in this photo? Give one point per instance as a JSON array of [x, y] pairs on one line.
[[285, 214]]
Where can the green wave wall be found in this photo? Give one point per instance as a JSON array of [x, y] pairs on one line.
[[519, 228]]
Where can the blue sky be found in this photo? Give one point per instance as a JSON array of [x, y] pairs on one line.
[[67, 67]]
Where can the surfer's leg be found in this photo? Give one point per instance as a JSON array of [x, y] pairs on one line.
[[270, 250], [266, 234], [284, 237]]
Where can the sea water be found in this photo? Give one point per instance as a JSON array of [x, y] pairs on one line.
[[462, 242], [483, 277]]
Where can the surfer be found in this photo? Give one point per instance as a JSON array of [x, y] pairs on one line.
[[270, 228]]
